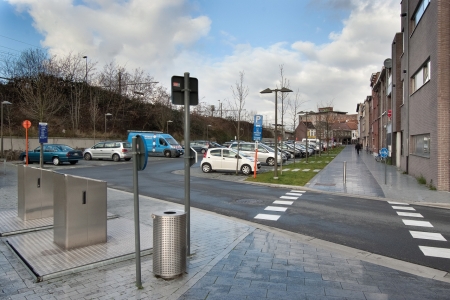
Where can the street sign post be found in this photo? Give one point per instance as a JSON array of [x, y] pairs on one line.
[[384, 153], [43, 133], [26, 124]]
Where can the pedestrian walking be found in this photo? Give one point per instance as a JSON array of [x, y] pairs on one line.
[[358, 147]]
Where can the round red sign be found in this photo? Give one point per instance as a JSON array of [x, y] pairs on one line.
[[26, 124]]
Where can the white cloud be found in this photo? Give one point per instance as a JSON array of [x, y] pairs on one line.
[[159, 36]]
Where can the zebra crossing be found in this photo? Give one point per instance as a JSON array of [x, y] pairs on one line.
[[404, 210], [292, 195]]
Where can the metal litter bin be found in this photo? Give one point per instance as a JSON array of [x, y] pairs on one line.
[[169, 243]]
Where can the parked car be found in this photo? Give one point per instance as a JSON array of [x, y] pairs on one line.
[[225, 159], [265, 154], [200, 146], [216, 145], [54, 153], [115, 150]]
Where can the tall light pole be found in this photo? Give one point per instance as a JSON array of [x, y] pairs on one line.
[[269, 91], [207, 126], [85, 77], [170, 121], [107, 115], [306, 129], [3, 103], [220, 108]]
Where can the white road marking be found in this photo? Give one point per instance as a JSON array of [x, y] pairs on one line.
[[407, 214], [403, 207], [427, 235], [435, 252], [417, 223], [294, 191], [294, 194], [295, 170], [275, 208], [267, 217], [288, 197], [283, 202], [397, 203], [316, 170], [306, 170]]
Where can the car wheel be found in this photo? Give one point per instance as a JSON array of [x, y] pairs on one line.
[[56, 161], [87, 156], [127, 159], [73, 162], [206, 168], [116, 157], [167, 154], [246, 169], [271, 161]]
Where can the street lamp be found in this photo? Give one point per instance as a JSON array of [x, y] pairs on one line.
[[170, 121], [3, 103], [220, 108], [207, 126], [107, 115], [268, 91], [85, 78]]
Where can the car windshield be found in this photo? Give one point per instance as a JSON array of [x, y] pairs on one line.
[[64, 147], [172, 141]]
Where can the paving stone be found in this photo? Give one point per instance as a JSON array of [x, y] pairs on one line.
[[344, 293], [254, 292]]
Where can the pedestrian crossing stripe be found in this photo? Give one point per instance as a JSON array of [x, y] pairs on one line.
[[275, 208], [397, 203], [267, 217], [403, 207], [417, 223], [427, 235], [294, 194], [295, 191], [283, 202], [407, 214], [288, 197], [435, 252]]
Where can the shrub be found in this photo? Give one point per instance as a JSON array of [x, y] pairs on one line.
[[421, 179]]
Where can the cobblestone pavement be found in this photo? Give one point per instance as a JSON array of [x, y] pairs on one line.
[[231, 259]]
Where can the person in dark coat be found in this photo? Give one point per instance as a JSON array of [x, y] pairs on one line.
[[358, 147]]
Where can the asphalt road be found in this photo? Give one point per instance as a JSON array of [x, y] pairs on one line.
[[364, 224]]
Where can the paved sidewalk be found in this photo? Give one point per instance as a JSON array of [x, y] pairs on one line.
[[366, 177], [231, 259]]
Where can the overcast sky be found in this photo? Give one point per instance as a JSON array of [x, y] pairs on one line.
[[329, 48]]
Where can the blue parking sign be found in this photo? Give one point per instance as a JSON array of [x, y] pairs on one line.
[[257, 127], [43, 133], [384, 152]]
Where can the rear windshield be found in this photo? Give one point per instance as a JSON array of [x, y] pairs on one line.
[[126, 145]]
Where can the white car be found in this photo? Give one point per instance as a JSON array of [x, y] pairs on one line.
[[225, 159]]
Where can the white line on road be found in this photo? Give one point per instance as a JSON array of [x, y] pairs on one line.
[[435, 252], [288, 197], [427, 235], [294, 194], [275, 208], [403, 207], [295, 191], [397, 203], [283, 202], [407, 214], [417, 223], [267, 217]]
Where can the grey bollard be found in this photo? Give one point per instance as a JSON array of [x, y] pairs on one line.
[[345, 171]]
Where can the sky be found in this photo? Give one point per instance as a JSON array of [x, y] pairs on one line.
[[328, 48]]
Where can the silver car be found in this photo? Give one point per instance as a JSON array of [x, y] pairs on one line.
[[115, 150], [265, 154]]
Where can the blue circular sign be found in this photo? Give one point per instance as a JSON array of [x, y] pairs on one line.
[[384, 152]]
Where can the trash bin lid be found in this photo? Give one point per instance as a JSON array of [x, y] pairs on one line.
[[169, 213]]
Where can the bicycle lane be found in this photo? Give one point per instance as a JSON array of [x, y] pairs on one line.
[[359, 179]]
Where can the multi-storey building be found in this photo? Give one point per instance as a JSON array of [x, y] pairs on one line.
[[425, 81]]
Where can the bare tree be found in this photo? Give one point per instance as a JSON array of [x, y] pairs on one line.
[[294, 108], [37, 83], [240, 93], [284, 83]]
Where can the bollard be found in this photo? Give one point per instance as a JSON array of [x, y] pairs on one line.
[[345, 171]]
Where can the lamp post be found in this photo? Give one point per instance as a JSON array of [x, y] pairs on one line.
[[3, 103], [220, 108], [268, 91], [170, 121], [85, 77], [107, 115], [207, 126]]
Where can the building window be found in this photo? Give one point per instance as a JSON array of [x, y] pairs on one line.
[[423, 4], [420, 145], [421, 77]]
